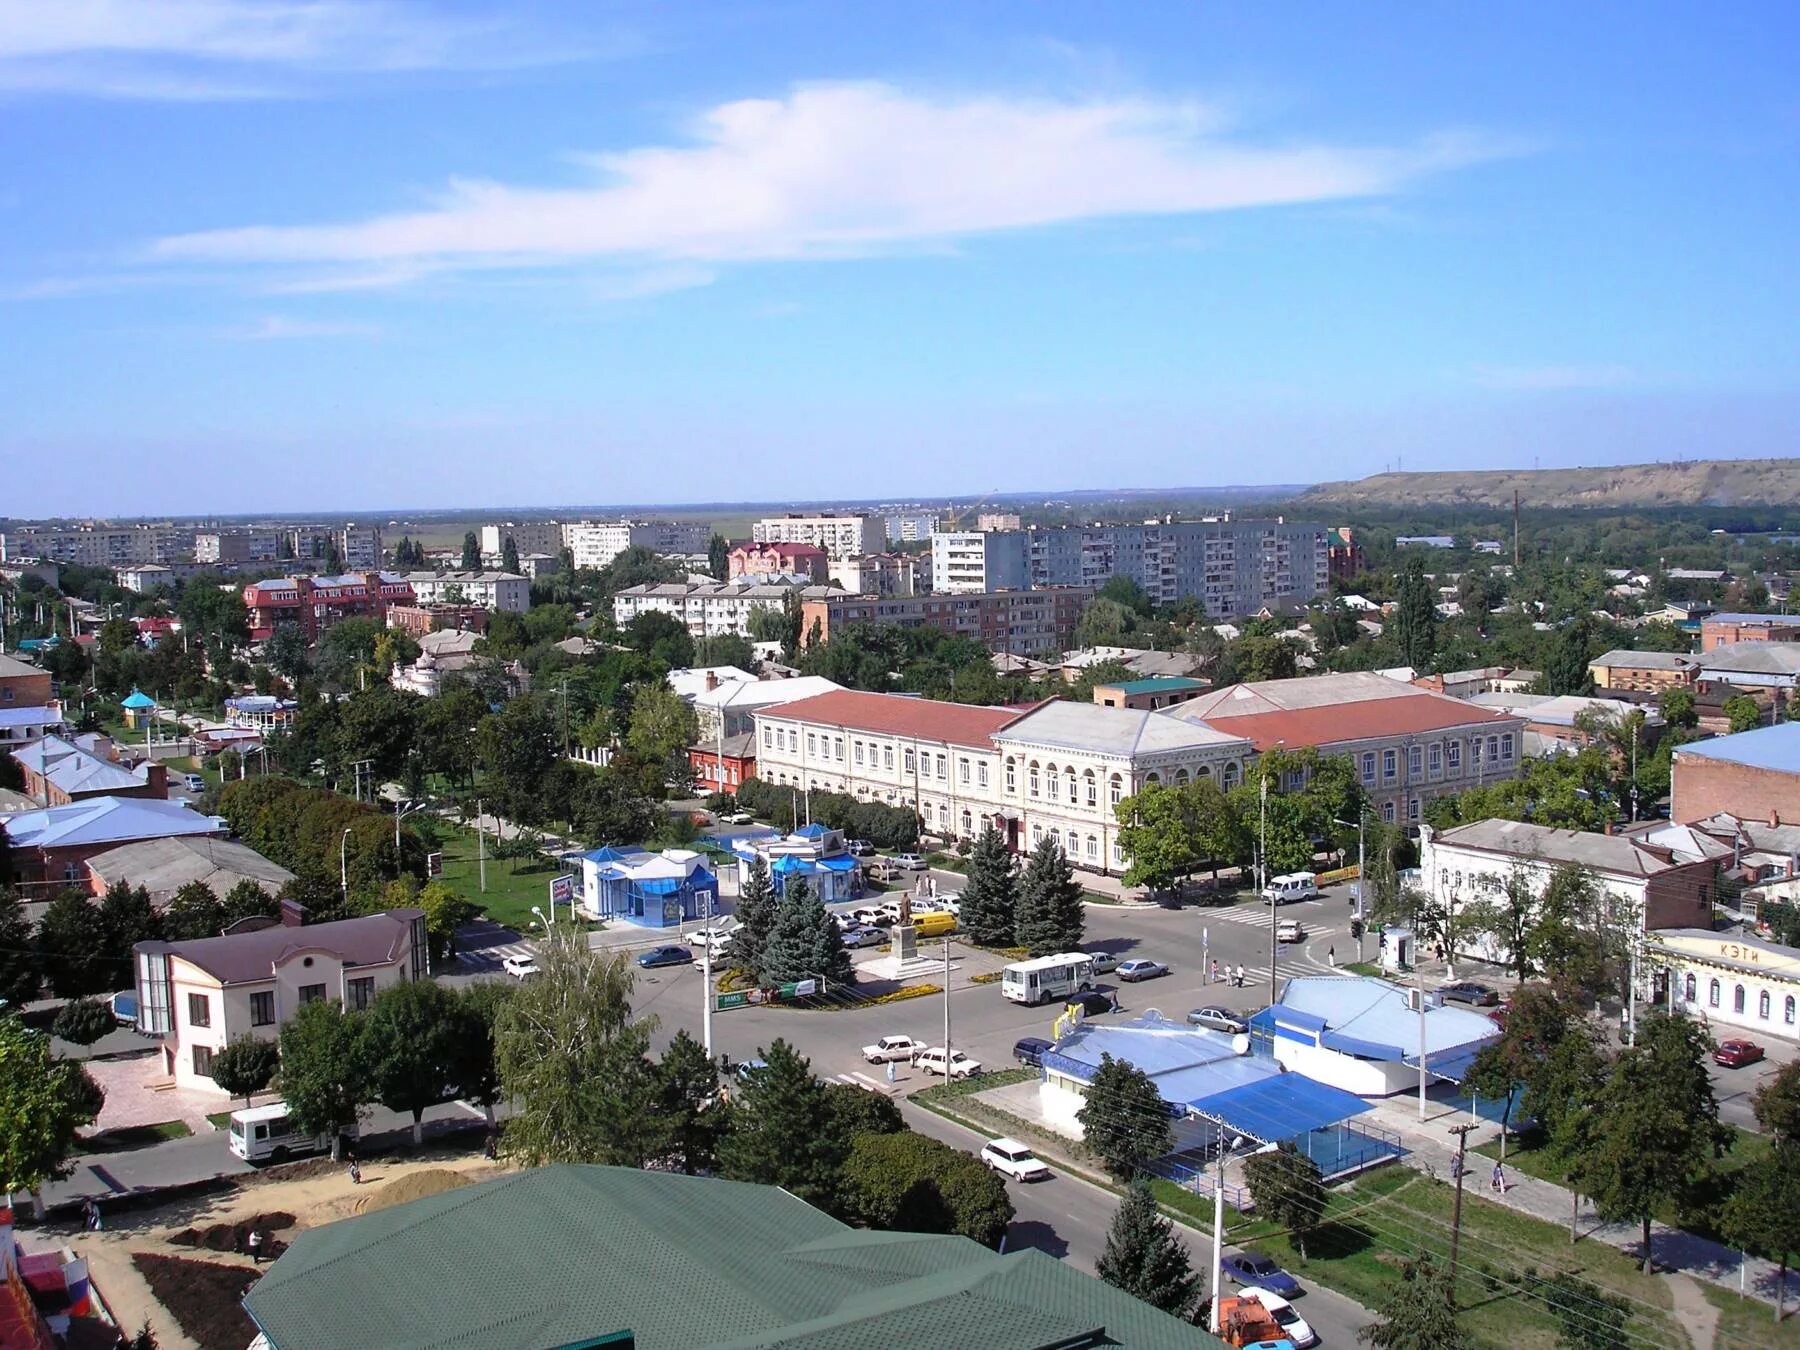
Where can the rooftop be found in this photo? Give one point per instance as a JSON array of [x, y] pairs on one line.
[[1157, 684], [1309, 691], [1621, 659], [74, 769], [764, 693], [894, 715], [569, 1254], [13, 668], [1755, 620], [248, 958], [105, 820], [1369, 1018], [1067, 725], [163, 865], [1616, 854], [1776, 747], [460, 578], [1752, 658], [1561, 710], [1367, 715]]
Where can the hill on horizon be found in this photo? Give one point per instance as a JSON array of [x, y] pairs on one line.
[[1699, 482]]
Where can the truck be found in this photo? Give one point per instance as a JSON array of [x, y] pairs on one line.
[[1244, 1322]]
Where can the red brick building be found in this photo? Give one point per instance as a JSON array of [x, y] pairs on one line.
[[23, 685], [806, 560], [1343, 555], [51, 847], [1754, 775], [314, 604], [1719, 630], [738, 759], [418, 620], [58, 772]]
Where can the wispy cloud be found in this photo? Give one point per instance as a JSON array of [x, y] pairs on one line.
[[281, 327], [850, 169], [239, 49], [1554, 377]]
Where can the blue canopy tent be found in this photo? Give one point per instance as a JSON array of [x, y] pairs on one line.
[[1291, 1108], [832, 879]]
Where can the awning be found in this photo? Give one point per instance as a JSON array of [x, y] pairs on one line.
[[1280, 1108]]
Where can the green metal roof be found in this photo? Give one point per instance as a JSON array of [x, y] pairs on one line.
[[1157, 684], [562, 1255]]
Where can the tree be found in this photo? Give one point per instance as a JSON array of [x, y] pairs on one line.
[[1566, 662], [446, 910], [780, 1131], [718, 556], [575, 1064], [409, 1045], [71, 946], [82, 1021], [1762, 1214], [910, 1183], [662, 728], [688, 1100], [1143, 1256], [1777, 1105], [1742, 712], [195, 912], [246, 1066], [1415, 617], [854, 1111], [990, 898], [1536, 1023], [1589, 1318], [471, 553], [805, 942], [44, 1100], [19, 965], [509, 556], [472, 1060], [1419, 1312], [126, 918], [247, 899], [1050, 918], [1157, 831], [1123, 1117], [1289, 1191], [1508, 920], [323, 1076], [757, 908], [1658, 1128]]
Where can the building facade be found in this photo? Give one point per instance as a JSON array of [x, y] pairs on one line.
[[1729, 979], [236, 546], [1641, 672], [1020, 623], [779, 559], [490, 590], [882, 574], [1720, 630], [314, 604], [842, 536], [359, 545], [595, 543], [709, 609], [1754, 774], [910, 527], [98, 544], [528, 536]]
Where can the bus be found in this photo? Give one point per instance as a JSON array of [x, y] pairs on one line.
[[1047, 977], [265, 1134]]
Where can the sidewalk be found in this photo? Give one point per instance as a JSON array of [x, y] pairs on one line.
[[1431, 1150]]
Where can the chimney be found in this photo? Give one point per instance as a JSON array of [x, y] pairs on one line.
[[712, 681], [156, 780], [1774, 819], [293, 914]]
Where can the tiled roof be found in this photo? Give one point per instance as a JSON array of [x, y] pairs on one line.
[[892, 715], [242, 958], [105, 820], [1334, 724]]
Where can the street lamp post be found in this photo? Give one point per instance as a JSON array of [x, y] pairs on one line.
[[1362, 879], [344, 865], [399, 815]]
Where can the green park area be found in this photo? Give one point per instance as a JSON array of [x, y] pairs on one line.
[[513, 885]]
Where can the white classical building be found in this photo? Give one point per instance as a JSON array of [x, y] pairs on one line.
[[492, 590], [1732, 979], [1059, 768]]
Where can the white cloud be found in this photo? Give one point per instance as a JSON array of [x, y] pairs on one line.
[[237, 49], [278, 327], [835, 170], [1554, 377]]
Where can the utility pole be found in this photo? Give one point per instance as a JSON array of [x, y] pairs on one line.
[[1419, 984], [1262, 869], [1460, 1131], [946, 1009], [481, 844], [706, 985]]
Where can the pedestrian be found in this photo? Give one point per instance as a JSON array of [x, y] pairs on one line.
[[1498, 1180], [1240, 975], [90, 1215], [1456, 1167], [255, 1243], [1331, 955], [1215, 970], [355, 1173], [490, 1146]]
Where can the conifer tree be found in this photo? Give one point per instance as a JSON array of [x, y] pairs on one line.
[[756, 910], [1050, 917], [991, 898], [804, 942], [1143, 1256]]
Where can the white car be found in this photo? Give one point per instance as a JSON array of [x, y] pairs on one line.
[[739, 818], [520, 967], [1289, 930], [859, 848], [717, 937], [1015, 1160], [1105, 963], [869, 916], [961, 1066], [893, 1048], [907, 862], [1293, 1325]]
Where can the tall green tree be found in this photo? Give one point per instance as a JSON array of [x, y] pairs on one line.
[[474, 1068], [1418, 1312], [471, 552], [718, 556], [1144, 1258], [44, 1100], [410, 1040], [805, 942], [780, 1131], [1777, 1105], [1566, 660], [509, 556], [1123, 1117], [1415, 616], [82, 1021], [1289, 1191], [126, 918], [662, 728], [1049, 915], [757, 908], [246, 1066], [910, 1183], [1157, 830], [990, 898], [688, 1080], [1501, 1070], [1590, 1318], [574, 1063], [20, 971], [1762, 1214], [72, 949], [1742, 712], [195, 912], [324, 1078]]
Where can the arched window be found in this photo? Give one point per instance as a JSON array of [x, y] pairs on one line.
[[1093, 853], [1762, 1005], [1712, 993], [1687, 989], [1074, 845], [1231, 774], [1737, 999], [1093, 788], [1204, 771], [1069, 782], [1181, 778], [968, 822], [1034, 778], [1012, 779], [1115, 789], [1152, 779], [1787, 1010]]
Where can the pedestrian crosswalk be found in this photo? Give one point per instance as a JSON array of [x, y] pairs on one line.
[[863, 1081], [489, 958]]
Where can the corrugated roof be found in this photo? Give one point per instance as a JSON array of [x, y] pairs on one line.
[[74, 770], [13, 668], [1332, 724], [1621, 659], [1758, 658], [1621, 855], [1306, 691], [1113, 731], [895, 715], [1755, 620], [1776, 747], [1372, 1015], [564, 1254], [242, 958], [1156, 684], [104, 820], [166, 865]]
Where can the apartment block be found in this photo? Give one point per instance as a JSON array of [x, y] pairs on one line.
[[1234, 567], [1020, 623], [842, 536], [490, 590], [911, 526], [596, 543], [358, 545], [97, 544], [236, 546], [314, 604], [882, 574], [528, 536]]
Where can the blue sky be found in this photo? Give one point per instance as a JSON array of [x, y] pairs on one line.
[[320, 256]]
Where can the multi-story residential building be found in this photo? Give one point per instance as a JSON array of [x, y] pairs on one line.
[[1408, 744], [142, 578], [709, 609], [236, 546], [1641, 672], [98, 544], [882, 574], [199, 996], [1059, 768], [528, 536], [1719, 630], [490, 590], [779, 559], [1232, 566], [910, 526], [1020, 623], [359, 545], [999, 520], [596, 543], [315, 603], [842, 536]]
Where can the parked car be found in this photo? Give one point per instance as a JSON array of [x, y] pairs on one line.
[[1011, 1158], [739, 818], [747, 1070], [961, 1066], [859, 848], [868, 915], [1259, 1271], [1105, 963], [520, 967], [664, 956], [1133, 971], [907, 862], [1215, 1018], [1289, 930], [193, 782], [718, 936], [893, 1048], [1293, 1325], [1029, 1050], [1734, 1054], [864, 936], [1472, 992], [1094, 1002]]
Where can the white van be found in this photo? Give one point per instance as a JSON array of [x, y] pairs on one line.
[[1047, 977], [1285, 890], [265, 1134]]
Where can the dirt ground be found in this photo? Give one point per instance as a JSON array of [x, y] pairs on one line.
[[318, 1192]]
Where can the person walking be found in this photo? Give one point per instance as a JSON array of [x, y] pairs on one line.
[[355, 1173], [1215, 971], [255, 1244], [1331, 955], [1498, 1180], [1240, 975]]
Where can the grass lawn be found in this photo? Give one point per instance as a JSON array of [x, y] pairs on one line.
[[220, 1119], [1364, 968], [1748, 1321], [136, 1136], [510, 895]]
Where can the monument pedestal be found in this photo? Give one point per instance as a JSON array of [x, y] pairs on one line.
[[904, 943]]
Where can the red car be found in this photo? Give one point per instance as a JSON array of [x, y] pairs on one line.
[[1736, 1054]]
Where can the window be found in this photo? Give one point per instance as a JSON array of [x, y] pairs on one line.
[[1390, 764], [887, 756], [909, 760], [1712, 993], [199, 1010], [1181, 777], [968, 822], [1034, 779], [1437, 759], [1093, 788], [1412, 808], [768, 737], [859, 754], [311, 993], [838, 744], [1012, 777], [1506, 749], [1230, 775], [981, 774], [203, 1056], [1453, 756], [1387, 812], [1787, 1010], [1737, 999], [812, 743], [962, 770], [1688, 991], [1762, 1005], [262, 1010], [1493, 752], [1093, 848], [1074, 844], [1114, 790], [362, 993], [943, 766], [1475, 753], [1119, 861], [1415, 760], [1069, 780], [1368, 766]]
